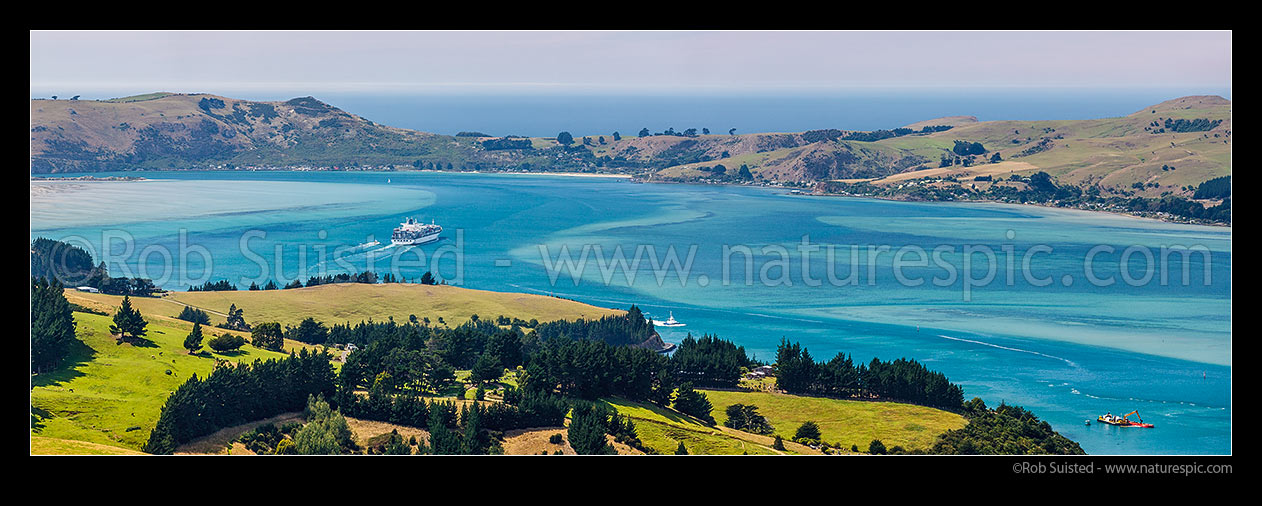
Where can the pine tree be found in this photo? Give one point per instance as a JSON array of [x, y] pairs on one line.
[[396, 446], [487, 368], [128, 321], [692, 402], [236, 318], [442, 440], [587, 431], [52, 324], [474, 441], [193, 342], [681, 450], [779, 443]]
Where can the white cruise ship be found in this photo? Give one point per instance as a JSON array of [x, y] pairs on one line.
[[411, 233]]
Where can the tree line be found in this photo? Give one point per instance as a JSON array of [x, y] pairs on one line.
[[1217, 188], [902, 380], [710, 361], [72, 266], [1004, 430], [232, 395], [627, 330]]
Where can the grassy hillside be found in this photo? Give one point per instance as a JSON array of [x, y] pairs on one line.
[[111, 393], [663, 429], [163, 310], [180, 131], [353, 302], [108, 388], [844, 422], [339, 303], [53, 446], [1111, 152]]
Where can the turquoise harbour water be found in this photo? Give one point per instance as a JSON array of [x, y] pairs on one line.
[[1068, 352]]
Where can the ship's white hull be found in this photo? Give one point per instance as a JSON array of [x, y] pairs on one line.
[[414, 242]]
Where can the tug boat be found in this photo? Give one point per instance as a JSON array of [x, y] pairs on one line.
[[670, 322], [1124, 420]]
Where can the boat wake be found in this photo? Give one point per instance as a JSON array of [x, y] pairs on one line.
[[351, 253], [383, 248], [1009, 348]]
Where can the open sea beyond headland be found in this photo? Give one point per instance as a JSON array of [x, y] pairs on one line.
[[1068, 351]]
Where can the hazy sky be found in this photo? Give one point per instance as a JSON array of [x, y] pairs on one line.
[[670, 62]]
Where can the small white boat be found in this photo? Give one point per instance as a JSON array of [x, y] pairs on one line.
[[670, 322], [369, 244]]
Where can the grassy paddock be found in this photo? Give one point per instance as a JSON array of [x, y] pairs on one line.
[[663, 429], [844, 422], [164, 310], [355, 302], [110, 393], [53, 446]]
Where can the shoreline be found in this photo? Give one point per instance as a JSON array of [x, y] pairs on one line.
[[807, 193], [1032, 204], [497, 172], [633, 178]]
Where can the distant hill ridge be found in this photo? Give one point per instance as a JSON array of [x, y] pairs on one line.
[[1163, 148], [174, 131]]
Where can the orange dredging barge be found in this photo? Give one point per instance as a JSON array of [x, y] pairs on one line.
[[1124, 420]]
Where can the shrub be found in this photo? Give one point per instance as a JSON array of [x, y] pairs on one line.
[[876, 447], [226, 342], [190, 314], [745, 417], [808, 431]]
